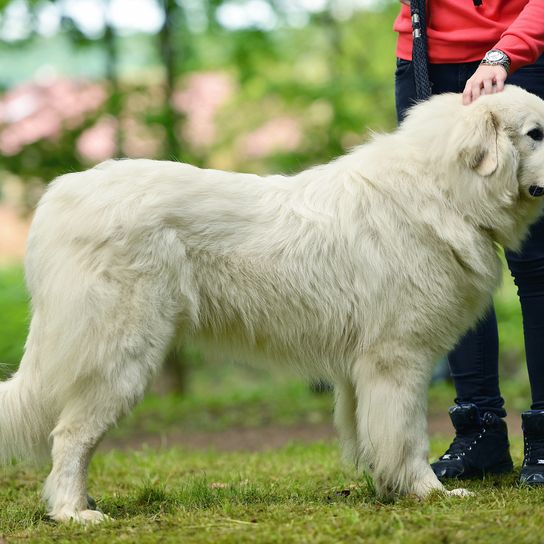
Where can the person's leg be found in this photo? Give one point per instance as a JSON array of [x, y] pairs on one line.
[[474, 367], [527, 268], [474, 361]]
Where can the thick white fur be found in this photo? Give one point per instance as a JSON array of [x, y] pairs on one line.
[[362, 271]]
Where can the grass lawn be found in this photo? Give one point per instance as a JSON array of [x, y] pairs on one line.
[[295, 494]]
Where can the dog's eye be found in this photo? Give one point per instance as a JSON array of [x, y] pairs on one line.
[[536, 134]]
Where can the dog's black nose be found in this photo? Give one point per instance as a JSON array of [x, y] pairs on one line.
[[535, 190]]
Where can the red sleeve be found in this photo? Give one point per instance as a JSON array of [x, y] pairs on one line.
[[523, 40]]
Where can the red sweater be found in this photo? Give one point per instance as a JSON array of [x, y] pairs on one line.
[[458, 31]]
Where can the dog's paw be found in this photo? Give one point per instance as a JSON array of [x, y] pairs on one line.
[[85, 517], [459, 492]]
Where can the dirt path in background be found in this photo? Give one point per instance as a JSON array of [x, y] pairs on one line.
[[262, 438], [13, 235]]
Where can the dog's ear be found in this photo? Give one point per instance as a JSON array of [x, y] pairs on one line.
[[480, 148]]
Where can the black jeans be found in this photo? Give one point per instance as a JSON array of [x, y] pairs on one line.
[[474, 361]]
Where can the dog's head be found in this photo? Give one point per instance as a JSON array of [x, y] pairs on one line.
[[494, 148]]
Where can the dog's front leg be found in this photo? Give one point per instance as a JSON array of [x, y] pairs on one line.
[[392, 423]]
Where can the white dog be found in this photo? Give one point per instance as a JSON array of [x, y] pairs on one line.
[[362, 271]]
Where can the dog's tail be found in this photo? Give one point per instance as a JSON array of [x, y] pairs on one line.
[[25, 422]]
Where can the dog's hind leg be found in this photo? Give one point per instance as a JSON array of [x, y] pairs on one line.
[[92, 407], [74, 440], [392, 423], [115, 329], [122, 360], [345, 419]]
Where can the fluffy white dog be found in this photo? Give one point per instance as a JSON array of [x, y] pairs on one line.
[[362, 271]]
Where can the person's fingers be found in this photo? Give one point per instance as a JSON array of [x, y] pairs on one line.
[[486, 80], [476, 90], [500, 80], [488, 86], [500, 85], [467, 94], [473, 92]]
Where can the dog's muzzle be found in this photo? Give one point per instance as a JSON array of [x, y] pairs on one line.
[[536, 190]]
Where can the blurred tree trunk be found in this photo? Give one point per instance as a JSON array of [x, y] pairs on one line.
[[174, 375], [333, 31], [112, 75], [169, 52]]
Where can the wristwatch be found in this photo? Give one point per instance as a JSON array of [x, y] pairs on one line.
[[496, 57]]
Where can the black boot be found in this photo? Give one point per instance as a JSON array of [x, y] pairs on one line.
[[532, 471], [480, 445]]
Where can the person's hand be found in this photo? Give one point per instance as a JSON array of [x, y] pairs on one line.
[[485, 80]]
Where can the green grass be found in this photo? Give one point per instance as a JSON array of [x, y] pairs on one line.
[[296, 494], [15, 314]]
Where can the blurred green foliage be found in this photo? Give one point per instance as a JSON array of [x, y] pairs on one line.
[[334, 76], [15, 318]]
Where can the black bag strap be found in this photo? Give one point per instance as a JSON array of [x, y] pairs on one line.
[[420, 58]]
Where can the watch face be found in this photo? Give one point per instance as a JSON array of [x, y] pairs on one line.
[[494, 56]]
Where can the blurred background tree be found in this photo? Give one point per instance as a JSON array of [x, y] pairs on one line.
[[318, 76]]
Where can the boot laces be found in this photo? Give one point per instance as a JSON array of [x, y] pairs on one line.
[[461, 444], [534, 451]]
